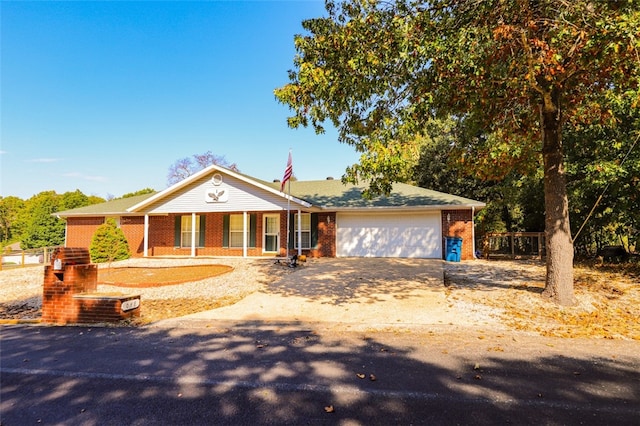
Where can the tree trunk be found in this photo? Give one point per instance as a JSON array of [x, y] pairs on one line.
[[559, 280]]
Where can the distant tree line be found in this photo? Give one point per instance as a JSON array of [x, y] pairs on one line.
[[33, 223]]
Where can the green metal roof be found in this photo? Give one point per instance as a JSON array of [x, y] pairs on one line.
[[334, 194], [323, 194], [114, 207]]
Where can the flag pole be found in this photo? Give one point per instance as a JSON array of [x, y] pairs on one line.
[[288, 215], [288, 172]]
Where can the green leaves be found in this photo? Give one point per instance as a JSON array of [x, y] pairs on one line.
[[42, 228], [109, 244], [33, 222], [604, 175], [378, 71]]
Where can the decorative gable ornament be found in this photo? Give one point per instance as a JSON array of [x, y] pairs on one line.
[[216, 195], [216, 180]]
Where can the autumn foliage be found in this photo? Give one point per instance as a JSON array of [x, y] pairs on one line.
[[513, 74]]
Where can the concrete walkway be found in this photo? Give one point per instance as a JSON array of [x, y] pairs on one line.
[[353, 292]]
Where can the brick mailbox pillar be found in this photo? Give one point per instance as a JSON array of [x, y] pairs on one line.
[[69, 291]]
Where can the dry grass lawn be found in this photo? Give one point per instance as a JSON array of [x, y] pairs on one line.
[[607, 298]]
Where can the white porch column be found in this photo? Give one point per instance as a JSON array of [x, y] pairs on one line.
[[245, 232], [193, 235], [146, 236], [299, 232], [473, 231]]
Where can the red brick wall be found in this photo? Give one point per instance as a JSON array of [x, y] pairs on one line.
[[162, 236], [326, 236], [67, 297], [283, 234], [459, 223], [133, 229], [59, 286], [326, 244], [96, 308], [80, 230]]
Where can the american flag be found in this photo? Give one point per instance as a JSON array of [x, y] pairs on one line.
[[287, 173]]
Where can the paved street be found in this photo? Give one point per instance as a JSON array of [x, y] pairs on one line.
[[293, 373]]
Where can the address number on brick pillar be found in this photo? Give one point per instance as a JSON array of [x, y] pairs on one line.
[[130, 305]]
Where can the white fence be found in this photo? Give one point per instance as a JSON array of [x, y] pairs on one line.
[[22, 258]]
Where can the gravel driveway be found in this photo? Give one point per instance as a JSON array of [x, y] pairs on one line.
[[354, 293]]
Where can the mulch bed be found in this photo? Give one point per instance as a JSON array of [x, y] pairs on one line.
[[145, 277]]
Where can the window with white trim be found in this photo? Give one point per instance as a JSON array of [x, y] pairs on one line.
[[236, 227], [185, 231], [305, 230]]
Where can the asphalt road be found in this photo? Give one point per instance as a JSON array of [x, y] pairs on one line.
[[251, 374]]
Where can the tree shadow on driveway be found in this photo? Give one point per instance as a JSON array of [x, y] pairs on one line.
[[362, 280]]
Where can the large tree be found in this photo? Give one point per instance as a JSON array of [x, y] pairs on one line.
[[185, 167], [10, 208], [42, 228], [515, 70]]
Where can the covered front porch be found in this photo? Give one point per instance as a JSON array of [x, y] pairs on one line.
[[242, 234]]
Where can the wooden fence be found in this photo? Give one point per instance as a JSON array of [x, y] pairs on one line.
[[24, 258], [514, 245]]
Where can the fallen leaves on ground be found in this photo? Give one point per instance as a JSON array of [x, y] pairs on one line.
[[607, 296]]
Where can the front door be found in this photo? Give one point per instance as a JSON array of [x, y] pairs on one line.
[[271, 238]]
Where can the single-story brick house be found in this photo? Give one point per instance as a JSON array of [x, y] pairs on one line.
[[218, 212]]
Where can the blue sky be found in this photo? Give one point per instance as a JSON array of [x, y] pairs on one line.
[[104, 96]]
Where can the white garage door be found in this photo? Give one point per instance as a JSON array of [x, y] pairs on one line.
[[389, 235]]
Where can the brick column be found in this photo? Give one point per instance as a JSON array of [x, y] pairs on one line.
[[58, 305]]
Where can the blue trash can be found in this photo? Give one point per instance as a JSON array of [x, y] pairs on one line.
[[453, 249]]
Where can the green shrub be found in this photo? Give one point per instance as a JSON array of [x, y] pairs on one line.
[[109, 243]]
